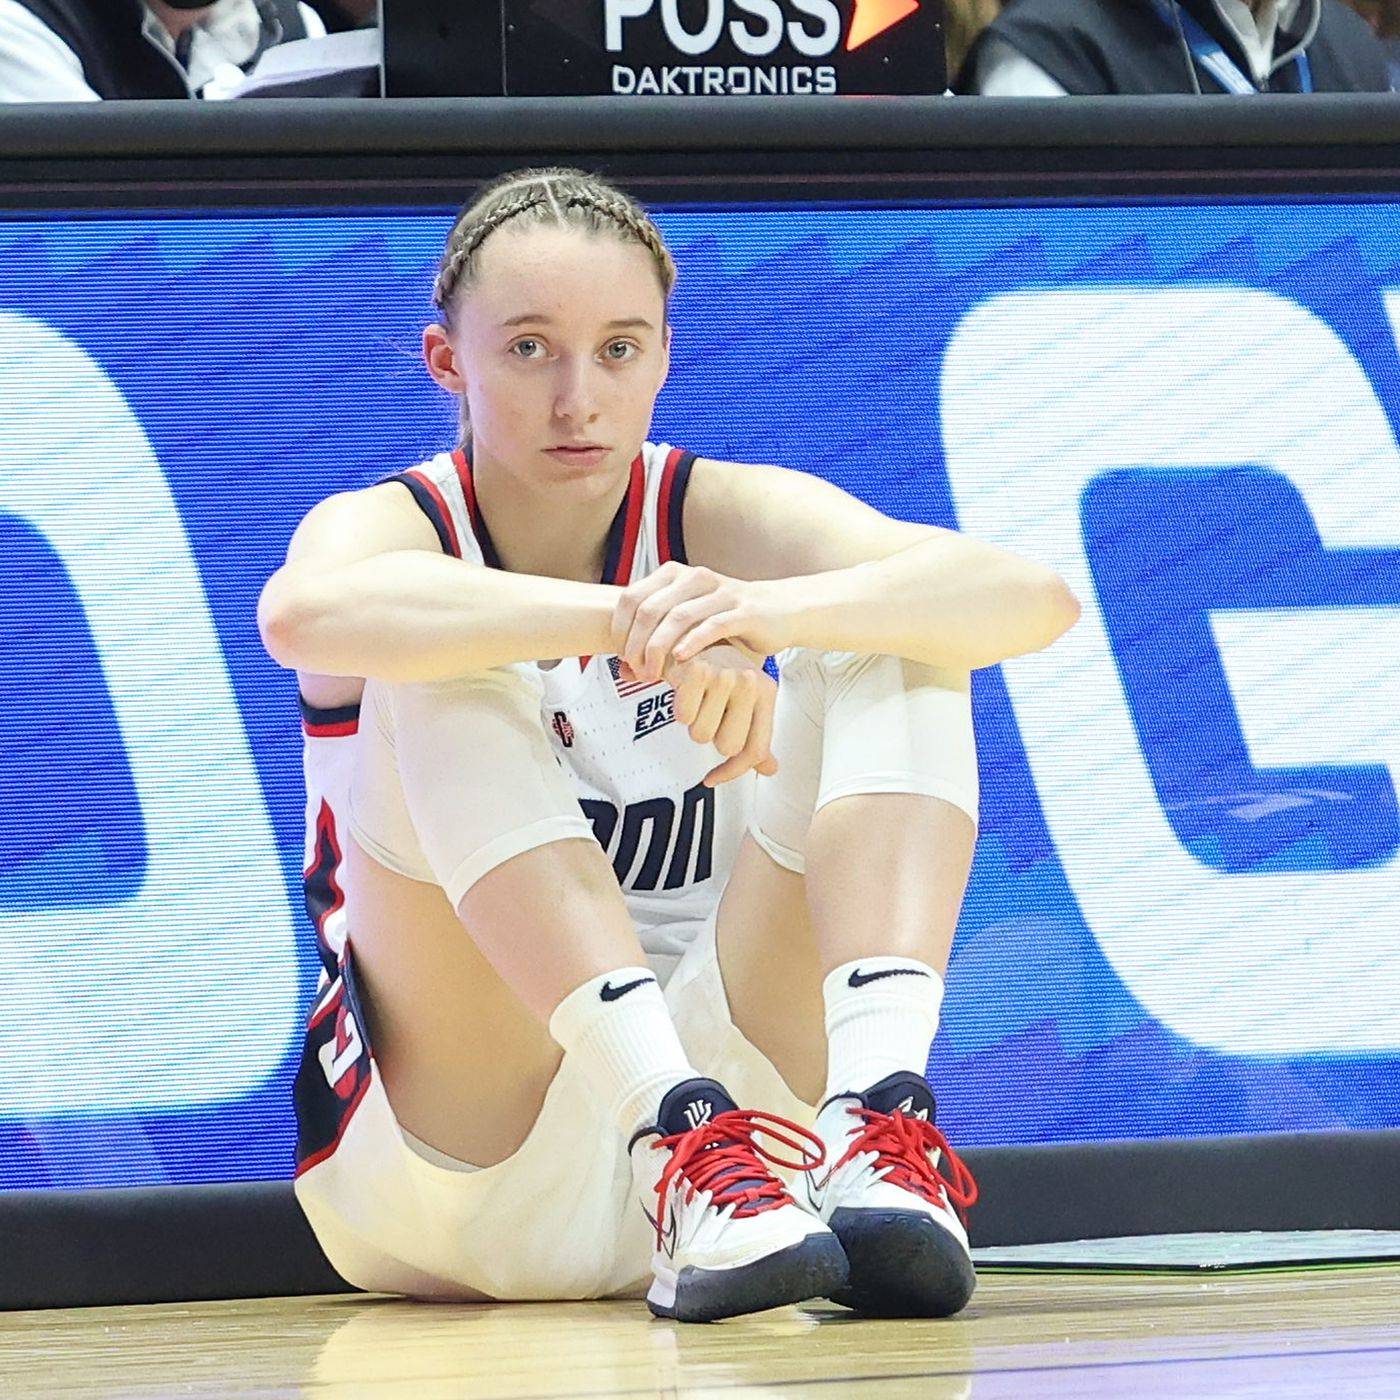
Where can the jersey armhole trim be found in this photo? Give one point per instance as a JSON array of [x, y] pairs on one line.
[[670, 510], [431, 503]]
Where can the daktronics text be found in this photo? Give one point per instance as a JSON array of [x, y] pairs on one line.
[[747, 29]]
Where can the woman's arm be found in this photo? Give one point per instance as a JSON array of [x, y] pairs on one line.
[[825, 571], [366, 591]]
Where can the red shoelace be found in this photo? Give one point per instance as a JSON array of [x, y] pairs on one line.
[[721, 1157], [905, 1146]]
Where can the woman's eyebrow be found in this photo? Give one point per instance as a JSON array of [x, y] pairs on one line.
[[537, 318]]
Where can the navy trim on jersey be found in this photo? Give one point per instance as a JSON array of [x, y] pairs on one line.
[[323, 1111], [429, 507], [489, 554], [339, 714], [675, 507], [615, 533]]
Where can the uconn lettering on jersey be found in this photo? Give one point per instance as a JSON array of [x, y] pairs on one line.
[[646, 829]]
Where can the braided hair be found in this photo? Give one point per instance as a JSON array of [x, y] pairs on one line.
[[550, 196]]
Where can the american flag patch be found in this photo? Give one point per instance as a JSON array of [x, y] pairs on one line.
[[625, 687]]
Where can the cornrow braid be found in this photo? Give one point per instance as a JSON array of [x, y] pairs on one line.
[[473, 238], [566, 198], [629, 217]]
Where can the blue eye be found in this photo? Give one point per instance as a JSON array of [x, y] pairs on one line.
[[523, 348], [624, 345]]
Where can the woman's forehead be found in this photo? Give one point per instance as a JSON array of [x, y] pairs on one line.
[[565, 274]]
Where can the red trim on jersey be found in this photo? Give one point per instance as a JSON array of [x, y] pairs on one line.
[[636, 493], [330, 731], [331, 1003], [317, 1158], [663, 505], [430, 486], [489, 555], [618, 569], [464, 475], [323, 873]]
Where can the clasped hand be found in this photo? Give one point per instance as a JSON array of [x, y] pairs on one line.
[[707, 635]]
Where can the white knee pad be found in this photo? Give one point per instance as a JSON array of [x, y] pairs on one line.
[[849, 723], [453, 778]]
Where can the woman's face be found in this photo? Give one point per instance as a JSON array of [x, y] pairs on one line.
[[562, 347]]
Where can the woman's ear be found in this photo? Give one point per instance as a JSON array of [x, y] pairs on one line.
[[441, 358]]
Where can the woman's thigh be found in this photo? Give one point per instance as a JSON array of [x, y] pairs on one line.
[[772, 975], [464, 1064]]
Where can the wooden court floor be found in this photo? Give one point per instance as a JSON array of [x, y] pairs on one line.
[[1293, 1334]]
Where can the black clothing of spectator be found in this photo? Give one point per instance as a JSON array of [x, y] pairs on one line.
[[118, 61], [1125, 46]]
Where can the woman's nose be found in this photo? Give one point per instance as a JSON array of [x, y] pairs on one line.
[[576, 397]]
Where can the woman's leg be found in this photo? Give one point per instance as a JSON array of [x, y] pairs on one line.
[[464, 1060], [861, 846], [873, 811], [480, 905], [456, 789]]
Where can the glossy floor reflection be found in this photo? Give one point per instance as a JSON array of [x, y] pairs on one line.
[[1277, 1335]]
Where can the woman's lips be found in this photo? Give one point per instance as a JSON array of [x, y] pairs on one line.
[[580, 456]]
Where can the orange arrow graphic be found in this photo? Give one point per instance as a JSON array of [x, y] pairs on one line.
[[873, 17]]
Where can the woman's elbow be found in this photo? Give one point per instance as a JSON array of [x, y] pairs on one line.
[[285, 614], [1048, 610], [1062, 607]]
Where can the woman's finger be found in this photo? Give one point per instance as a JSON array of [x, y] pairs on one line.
[[756, 752], [634, 595], [712, 707], [733, 731], [691, 691], [653, 611], [719, 627], [681, 619]]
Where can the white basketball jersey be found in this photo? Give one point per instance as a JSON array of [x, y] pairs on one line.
[[637, 773]]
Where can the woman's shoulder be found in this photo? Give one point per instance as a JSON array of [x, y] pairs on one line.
[[732, 510]]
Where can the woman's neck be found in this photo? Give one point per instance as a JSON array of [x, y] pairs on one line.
[[537, 537]]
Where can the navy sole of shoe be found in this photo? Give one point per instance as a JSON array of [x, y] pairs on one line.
[[814, 1268], [902, 1265]]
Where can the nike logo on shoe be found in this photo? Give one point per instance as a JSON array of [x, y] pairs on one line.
[[667, 1236], [610, 993], [859, 978]]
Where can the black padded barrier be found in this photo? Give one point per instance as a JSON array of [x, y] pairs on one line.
[[426, 150], [66, 1248], [187, 1243]]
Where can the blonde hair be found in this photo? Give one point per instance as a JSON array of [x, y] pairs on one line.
[[552, 196]]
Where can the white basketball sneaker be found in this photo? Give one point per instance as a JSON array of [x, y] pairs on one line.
[[889, 1195], [729, 1237]]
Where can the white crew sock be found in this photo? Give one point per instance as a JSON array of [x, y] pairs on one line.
[[627, 1044], [881, 1017]]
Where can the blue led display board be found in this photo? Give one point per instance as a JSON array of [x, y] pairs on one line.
[[1183, 917]]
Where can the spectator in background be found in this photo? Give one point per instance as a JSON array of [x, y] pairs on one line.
[[963, 21], [1384, 17], [1052, 48], [87, 50], [340, 15]]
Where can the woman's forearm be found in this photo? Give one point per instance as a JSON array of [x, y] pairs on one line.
[[413, 616], [961, 604]]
